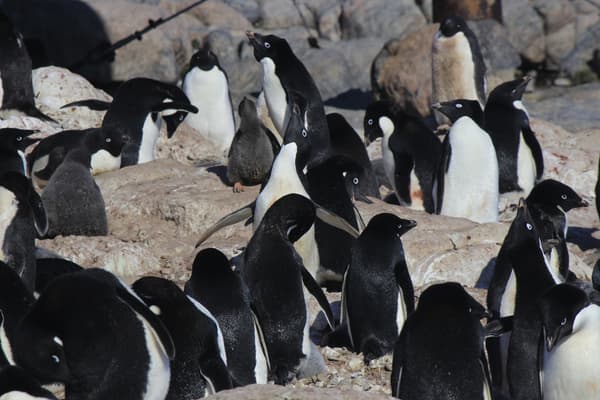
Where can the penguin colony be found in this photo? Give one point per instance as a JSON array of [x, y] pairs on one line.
[[232, 326]]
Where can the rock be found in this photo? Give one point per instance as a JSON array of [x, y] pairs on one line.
[[575, 63], [249, 8], [331, 78], [380, 18], [213, 13], [525, 29], [259, 392], [328, 24], [559, 22], [359, 54], [394, 78], [278, 14], [54, 87]]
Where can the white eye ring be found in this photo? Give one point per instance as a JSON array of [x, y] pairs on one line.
[[564, 197], [355, 181], [267, 45], [458, 105], [304, 133], [108, 140], [19, 138], [564, 321], [55, 359], [370, 121], [529, 226]]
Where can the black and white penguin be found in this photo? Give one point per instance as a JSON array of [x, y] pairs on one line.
[[346, 142], [520, 158], [548, 203], [16, 87], [212, 277], [206, 85], [22, 217], [458, 69], [13, 143], [276, 278], [92, 333], [439, 354], [467, 179], [200, 364], [571, 341], [105, 146], [252, 150], [48, 269], [410, 152], [17, 384], [378, 293], [284, 72], [15, 301], [72, 199]]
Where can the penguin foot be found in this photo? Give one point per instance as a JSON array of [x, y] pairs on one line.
[[238, 187]]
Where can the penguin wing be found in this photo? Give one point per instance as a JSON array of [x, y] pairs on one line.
[[92, 104], [215, 372], [232, 218], [275, 145], [405, 283], [335, 220], [32, 111], [55, 158], [497, 286], [40, 219], [261, 337], [438, 185], [534, 146], [313, 287], [403, 165], [398, 361]]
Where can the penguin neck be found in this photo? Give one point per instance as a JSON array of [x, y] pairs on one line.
[[387, 127]]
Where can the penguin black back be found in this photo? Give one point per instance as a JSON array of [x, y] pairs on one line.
[[47, 269]]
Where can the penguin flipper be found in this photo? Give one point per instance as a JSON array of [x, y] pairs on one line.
[[359, 219], [92, 104], [498, 283], [32, 111], [216, 374], [313, 288], [438, 194], [55, 158], [405, 283], [175, 106], [275, 145], [40, 219], [232, 218], [398, 363], [335, 220], [261, 337], [534, 146]]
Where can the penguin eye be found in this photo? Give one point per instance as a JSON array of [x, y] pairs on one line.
[[564, 197], [108, 140], [344, 174], [470, 310], [304, 133], [181, 117], [267, 45], [458, 105], [19, 138], [529, 226], [355, 181], [370, 121], [55, 359], [563, 322]]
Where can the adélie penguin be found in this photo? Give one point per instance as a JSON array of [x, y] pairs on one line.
[[570, 345], [212, 278], [467, 180], [439, 354], [206, 85], [410, 152], [377, 294], [200, 363], [520, 159], [252, 150], [276, 278]]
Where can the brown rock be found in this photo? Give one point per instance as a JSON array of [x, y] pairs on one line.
[[261, 392]]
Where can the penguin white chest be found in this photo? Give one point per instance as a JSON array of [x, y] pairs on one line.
[[103, 161], [150, 133], [209, 92], [571, 369], [471, 181], [274, 94], [159, 370], [8, 209], [387, 127], [507, 304], [526, 169]]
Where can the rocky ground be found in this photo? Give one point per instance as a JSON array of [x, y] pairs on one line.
[[156, 211]]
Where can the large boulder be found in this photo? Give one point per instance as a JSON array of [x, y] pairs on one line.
[[560, 26], [525, 29]]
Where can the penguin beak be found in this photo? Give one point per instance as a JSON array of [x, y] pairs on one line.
[[254, 38], [583, 203], [367, 141], [550, 342]]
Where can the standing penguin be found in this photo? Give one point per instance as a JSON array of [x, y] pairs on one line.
[[377, 292], [438, 355], [206, 85], [520, 158], [571, 341], [73, 200], [91, 332], [284, 72], [17, 384], [16, 87], [212, 277], [13, 143], [276, 278], [548, 204], [252, 150], [458, 69], [467, 181], [22, 216], [197, 337], [410, 153]]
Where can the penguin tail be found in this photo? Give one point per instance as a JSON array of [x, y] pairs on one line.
[[337, 338], [372, 348]]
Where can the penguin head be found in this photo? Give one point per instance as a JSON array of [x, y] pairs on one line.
[[211, 264], [553, 193], [297, 128], [450, 298], [107, 139], [390, 224], [204, 59], [247, 108], [456, 109], [161, 295], [26, 197], [559, 308], [379, 120], [294, 214], [269, 46], [452, 25], [16, 139], [353, 175], [508, 92], [522, 231]]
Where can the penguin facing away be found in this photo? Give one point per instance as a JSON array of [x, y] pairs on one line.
[[520, 158], [571, 344], [22, 217], [246, 353], [200, 364], [252, 150], [13, 143], [467, 180], [131, 351], [377, 294], [48, 269], [276, 278], [73, 200], [207, 86], [458, 68], [16, 384], [438, 355]]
